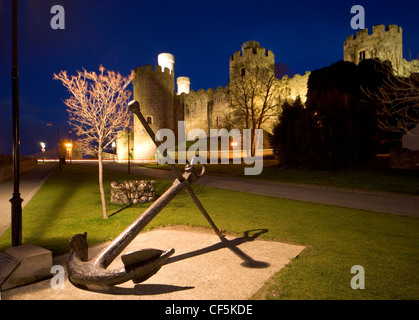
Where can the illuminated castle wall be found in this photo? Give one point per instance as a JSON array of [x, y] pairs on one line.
[[163, 107], [384, 43]]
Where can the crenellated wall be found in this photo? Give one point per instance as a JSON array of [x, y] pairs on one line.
[[154, 89], [205, 109], [208, 109], [291, 88], [384, 43], [251, 57]]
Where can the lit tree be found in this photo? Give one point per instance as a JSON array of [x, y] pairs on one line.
[[254, 99], [97, 109]]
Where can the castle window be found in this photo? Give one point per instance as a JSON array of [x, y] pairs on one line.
[[149, 119], [243, 72], [361, 55]]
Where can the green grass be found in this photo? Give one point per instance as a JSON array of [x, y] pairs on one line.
[[335, 238], [373, 177]]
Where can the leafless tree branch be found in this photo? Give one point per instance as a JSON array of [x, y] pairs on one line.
[[97, 109], [398, 98]]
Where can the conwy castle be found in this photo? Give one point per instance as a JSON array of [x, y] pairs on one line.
[[163, 106]]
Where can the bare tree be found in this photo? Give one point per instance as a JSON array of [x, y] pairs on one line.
[[398, 98], [97, 109], [254, 99]]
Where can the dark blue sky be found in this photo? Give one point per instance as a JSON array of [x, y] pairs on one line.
[[123, 34]]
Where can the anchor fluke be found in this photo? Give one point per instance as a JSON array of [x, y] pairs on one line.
[[139, 265], [140, 258], [79, 244]]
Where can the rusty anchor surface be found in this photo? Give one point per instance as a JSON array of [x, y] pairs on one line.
[[138, 265]]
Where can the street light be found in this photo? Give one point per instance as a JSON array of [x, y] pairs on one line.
[[68, 146], [16, 201], [58, 138], [113, 146], [43, 150]]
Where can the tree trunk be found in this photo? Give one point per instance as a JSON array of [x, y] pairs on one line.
[[252, 142], [102, 192]]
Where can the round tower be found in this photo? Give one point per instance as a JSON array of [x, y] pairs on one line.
[[183, 85], [155, 92], [166, 60]]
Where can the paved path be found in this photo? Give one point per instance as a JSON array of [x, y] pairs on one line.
[[30, 182], [373, 201]]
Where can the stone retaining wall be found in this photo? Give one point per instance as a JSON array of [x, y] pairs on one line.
[[132, 192], [6, 166]]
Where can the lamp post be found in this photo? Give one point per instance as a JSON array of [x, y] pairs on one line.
[[58, 138], [68, 146], [113, 147], [129, 155], [43, 150], [16, 201]]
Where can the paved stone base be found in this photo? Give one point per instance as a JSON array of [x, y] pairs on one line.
[[202, 268], [35, 265]]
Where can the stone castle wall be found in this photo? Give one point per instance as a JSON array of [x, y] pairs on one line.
[[125, 138], [155, 92], [408, 67], [249, 57], [154, 88], [291, 88], [385, 43], [205, 109]]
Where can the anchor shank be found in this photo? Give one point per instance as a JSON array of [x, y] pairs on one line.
[[107, 255], [203, 211], [135, 108]]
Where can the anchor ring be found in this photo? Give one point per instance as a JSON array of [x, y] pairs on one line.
[[194, 161]]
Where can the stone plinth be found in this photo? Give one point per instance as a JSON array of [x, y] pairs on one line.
[[35, 265]]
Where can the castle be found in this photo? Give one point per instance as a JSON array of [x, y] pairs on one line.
[[163, 107], [385, 43]]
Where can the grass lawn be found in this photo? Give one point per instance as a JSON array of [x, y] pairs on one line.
[[335, 238], [373, 176]]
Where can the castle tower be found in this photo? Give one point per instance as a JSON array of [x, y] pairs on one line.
[[155, 92], [385, 43], [183, 85], [252, 70], [166, 60], [252, 55]]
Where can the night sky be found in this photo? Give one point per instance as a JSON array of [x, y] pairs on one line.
[[121, 35]]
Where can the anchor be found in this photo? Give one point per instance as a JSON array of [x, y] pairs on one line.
[[142, 264]]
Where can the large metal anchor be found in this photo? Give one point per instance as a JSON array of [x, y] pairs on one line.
[[138, 265]]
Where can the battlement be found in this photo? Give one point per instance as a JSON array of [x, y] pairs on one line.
[[380, 31], [148, 69], [210, 91], [384, 43], [251, 49], [292, 87], [296, 76]]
